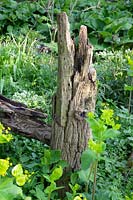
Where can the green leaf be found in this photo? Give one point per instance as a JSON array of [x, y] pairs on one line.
[[51, 156], [130, 71], [119, 24], [102, 195], [110, 133], [87, 158], [52, 188], [63, 163], [3, 17], [47, 177], [105, 34], [83, 176], [5, 138], [98, 147], [124, 41], [74, 178], [56, 174], [130, 62], [17, 170], [97, 127], [9, 191], [29, 198], [55, 156], [128, 88], [74, 188], [69, 196], [43, 28], [47, 157], [9, 29], [40, 194], [21, 180], [130, 32]]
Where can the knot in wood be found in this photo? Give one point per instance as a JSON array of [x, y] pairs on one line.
[[80, 115]]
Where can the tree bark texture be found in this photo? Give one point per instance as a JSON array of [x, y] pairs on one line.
[[25, 121], [76, 94]]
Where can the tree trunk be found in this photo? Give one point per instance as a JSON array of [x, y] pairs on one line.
[[75, 96]]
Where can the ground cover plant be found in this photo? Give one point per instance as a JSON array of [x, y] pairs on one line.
[[9, 190], [112, 68], [28, 74], [110, 23]]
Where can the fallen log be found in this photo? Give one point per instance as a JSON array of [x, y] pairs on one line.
[[24, 121]]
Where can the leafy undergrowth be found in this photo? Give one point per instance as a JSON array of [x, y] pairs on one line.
[[26, 74], [109, 23], [29, 76]]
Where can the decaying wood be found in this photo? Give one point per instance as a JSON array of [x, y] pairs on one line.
[[23, 120], [75, 96]]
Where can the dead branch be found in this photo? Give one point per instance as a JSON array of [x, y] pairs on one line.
[[24, 121]]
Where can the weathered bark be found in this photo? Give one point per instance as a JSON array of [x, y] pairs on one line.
[[75, 96], [23, 120]]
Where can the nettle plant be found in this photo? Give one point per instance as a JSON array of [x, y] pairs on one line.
[[103, 128], [8, 190]]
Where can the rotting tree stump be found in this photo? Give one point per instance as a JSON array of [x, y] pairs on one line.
[[75, 96]]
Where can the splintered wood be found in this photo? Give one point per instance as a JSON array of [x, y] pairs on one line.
[[75, 96]]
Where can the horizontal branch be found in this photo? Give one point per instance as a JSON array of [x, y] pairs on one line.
[[24, 121]]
